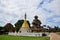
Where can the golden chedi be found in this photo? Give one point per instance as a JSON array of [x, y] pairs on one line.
[[25, 26]]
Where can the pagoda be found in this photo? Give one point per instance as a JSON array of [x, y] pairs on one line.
[[25, 26]]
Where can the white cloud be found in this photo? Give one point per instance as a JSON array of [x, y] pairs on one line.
[[56, 19], [12, 10]]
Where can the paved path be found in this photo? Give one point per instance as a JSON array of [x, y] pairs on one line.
[[54, 36]]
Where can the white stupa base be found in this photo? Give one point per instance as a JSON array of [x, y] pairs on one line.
[[28, 34]]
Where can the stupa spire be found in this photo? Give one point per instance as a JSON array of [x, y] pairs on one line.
[[25, 25], [25, 16]]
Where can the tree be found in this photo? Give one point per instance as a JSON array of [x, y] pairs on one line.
[[1, 28], [44, 25], [19, 23], [56, 29]]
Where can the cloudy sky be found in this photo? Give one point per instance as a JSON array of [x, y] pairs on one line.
[[13, 10]]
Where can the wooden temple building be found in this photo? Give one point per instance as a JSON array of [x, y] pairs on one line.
[[36, 25]]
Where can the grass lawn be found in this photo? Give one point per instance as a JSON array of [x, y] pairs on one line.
[[7, 37]]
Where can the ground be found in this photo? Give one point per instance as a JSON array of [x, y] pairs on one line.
[[8, 37], [54, 36]]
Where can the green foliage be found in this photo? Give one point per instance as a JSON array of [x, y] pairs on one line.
[[56, 29], [1, 27], [5, 30], [7, 37], [19, 23]]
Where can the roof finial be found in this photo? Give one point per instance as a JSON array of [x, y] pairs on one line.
[[25, 15]]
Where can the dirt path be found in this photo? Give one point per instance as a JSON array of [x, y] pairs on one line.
[[54, 36]]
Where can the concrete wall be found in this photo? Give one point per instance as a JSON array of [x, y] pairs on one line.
[[28, 34]]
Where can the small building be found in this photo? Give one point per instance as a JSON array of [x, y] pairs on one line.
[[9, 27]]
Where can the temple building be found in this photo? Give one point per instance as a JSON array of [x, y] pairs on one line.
[[35, 30], [25, 26], [36, 25]]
